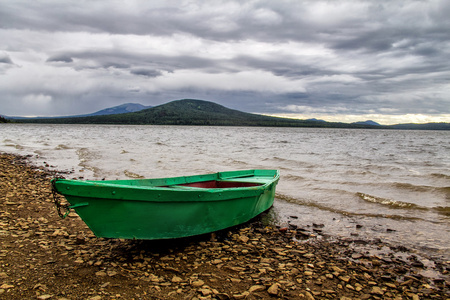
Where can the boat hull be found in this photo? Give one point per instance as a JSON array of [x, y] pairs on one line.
[[172, 207]]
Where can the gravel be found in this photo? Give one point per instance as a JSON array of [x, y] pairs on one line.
[[45, 257]]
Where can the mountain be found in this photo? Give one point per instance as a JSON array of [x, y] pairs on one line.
[[120, 109], [200, 112], [191, 112], [368, 122], [426, 126], [317, 120]]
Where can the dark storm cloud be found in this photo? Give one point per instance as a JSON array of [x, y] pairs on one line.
[[260, 56]]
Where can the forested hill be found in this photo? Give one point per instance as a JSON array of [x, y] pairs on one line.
[[192, 112], [200, 112]]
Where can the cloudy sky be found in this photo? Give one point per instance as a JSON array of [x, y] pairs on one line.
[[388, 61]]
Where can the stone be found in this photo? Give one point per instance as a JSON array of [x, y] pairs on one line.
[[241, 296], [216, 261], [256, 288], [222, 296], [273, 289], [6, 286], [243, 238], [344, 278], [79, 260], [391, 285], [309, 296], [197, 283], [105, 284], [337, 269], [205, 292], [376, 290]]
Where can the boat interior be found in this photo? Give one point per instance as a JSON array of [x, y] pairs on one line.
[[218, 184]]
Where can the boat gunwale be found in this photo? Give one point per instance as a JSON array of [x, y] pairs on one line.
[[119, 191]]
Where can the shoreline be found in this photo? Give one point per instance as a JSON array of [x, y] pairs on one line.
[[62, 259]]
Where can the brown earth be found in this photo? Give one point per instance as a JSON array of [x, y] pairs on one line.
[[45, 257]]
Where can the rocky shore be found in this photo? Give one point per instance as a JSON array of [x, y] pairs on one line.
[[45, 257]]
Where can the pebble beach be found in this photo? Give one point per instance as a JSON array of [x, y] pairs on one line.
[[45, 257]]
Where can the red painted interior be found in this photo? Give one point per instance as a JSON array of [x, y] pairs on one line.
[[213, 184]]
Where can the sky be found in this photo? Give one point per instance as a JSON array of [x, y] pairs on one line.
[[381, 60]]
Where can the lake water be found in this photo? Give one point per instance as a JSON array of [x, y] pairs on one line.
[[387, 184]]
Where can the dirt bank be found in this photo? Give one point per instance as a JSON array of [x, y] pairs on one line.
[[45, 257]]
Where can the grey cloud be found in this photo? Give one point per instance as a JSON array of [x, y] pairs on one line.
[[145, 64], [5, 59], [116, 65], [146, 72], [60, 58], [390, 55]]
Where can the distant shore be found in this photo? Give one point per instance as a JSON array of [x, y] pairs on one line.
[[45, 257], [196, 112]]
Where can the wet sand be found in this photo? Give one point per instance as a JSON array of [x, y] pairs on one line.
[[45, 257]]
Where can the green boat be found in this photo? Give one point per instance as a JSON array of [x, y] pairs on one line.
[[167, 208]]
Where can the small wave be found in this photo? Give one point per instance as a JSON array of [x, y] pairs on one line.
[[293, 177], [439, 175], [445, 190], [84, 154], [17, 146], [413, 187], [132, 175], [62, 147], [444, 210], [340, 211], [388, 202], [424, 188], [236, 162], [279, 159], [293, 163], [359, 172]]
